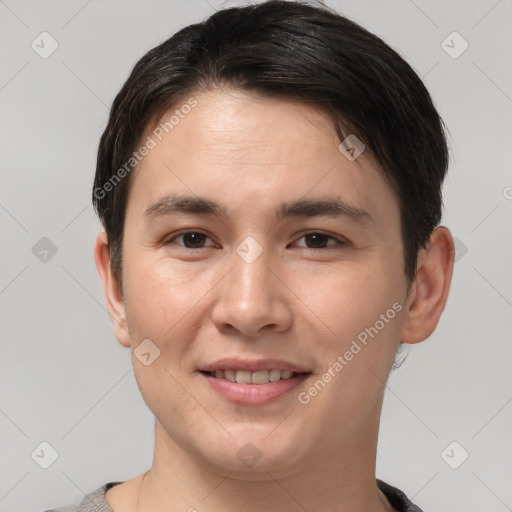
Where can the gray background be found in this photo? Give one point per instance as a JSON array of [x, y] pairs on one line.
[[66, 380]]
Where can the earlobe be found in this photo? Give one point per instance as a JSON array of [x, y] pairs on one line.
[[113, 295], [432, 283]]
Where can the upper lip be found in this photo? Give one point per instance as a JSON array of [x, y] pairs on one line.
[[253, 365]]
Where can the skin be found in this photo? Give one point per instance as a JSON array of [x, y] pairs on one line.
[[298, 301]]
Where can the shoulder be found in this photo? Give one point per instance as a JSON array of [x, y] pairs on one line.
[[69, 508], [397, 498], [93, 502]]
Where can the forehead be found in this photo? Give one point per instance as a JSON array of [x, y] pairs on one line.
[[234, 145], [246, 125]]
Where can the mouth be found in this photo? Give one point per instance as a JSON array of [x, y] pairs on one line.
[[253, 382], [259, 377]]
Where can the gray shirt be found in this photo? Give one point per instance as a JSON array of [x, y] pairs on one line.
[[95, 501]]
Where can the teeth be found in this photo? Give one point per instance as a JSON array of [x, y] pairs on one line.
[[228, 375], [260, 377], [274, 375], [245, 377]]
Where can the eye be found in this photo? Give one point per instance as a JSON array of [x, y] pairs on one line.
[[313, 240], [321, 241], [191, 240]]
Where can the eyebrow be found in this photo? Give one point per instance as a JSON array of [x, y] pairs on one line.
[[331, 207]]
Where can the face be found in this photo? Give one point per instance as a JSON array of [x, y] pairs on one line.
[[255, 250]]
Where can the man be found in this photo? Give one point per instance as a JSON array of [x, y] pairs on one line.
[[269, 182]]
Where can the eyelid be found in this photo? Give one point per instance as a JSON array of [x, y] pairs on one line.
[[340, 241], [168, 240]]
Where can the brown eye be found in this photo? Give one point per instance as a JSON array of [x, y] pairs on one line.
[[190, 240], [193, 240], [320, 241], [317, 240]]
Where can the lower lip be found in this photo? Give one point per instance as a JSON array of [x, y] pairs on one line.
[[254, 394]]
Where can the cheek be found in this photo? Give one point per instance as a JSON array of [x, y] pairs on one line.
[[365, 314], [345, 299], [162, 304], [160, 296], [362, 310]]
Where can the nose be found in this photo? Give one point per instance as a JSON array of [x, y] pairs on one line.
[[253, 298]]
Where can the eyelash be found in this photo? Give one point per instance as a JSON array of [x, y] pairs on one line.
[[339, 242]]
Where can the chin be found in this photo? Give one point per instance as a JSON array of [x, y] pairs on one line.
[[254, 455]]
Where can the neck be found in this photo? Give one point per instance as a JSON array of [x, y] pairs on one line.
[[332, 482]]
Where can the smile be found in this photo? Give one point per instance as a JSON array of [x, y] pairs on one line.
[[259, 377], [253, 388]]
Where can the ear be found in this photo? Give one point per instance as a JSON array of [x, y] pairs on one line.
[[113, 294], [429, 292]]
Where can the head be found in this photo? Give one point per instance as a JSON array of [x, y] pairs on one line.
[[305, 159]]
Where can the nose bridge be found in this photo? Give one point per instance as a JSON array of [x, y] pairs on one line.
[[251, 275], [251, 296]]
